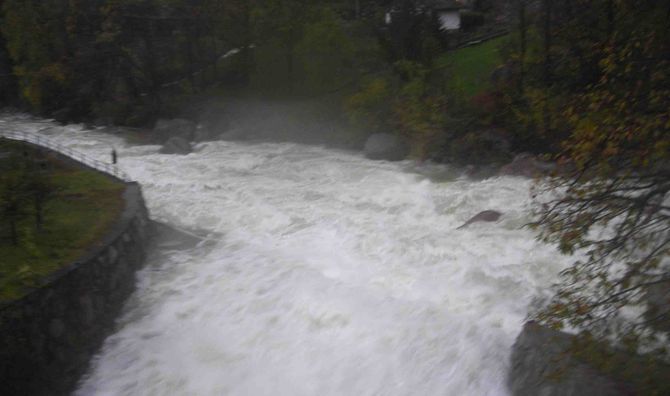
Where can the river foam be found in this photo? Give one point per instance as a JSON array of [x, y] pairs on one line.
[[326, 274]]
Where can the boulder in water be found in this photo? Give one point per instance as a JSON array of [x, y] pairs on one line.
[[384, 146], [178, 127], [235, 134], [62, 116], [176, 145], [542, 364], [487, 215], [203, 134], [214, 121]]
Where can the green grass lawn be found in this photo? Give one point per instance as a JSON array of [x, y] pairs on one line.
[[84, 204], [469, 69]]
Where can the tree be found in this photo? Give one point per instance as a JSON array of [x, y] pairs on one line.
[[612, 206], [329, 56], [36, 46], [409, 101], [413, 33], [13, 203], [25, 190], [283, 22], [112, 56], [39, 189], [419, 109], [7, 79]]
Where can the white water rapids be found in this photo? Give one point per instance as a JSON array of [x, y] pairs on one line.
[[326, 274]]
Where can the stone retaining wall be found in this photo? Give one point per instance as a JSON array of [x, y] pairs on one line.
[[48, 337]]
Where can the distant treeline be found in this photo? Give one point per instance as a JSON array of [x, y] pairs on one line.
[[107, 56], [127, 59], [132, 60], [79, 58]]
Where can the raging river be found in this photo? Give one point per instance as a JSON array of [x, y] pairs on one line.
[[321, 273]]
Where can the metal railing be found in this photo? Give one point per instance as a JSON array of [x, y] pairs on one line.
[[42, 141]]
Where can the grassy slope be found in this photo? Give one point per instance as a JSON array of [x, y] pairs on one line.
[[84, 206], [470, 68]]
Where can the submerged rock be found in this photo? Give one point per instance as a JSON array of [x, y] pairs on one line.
[[176, 145], [384, 146], [214, 121], [62, 116], [203, 134], [487, 215]]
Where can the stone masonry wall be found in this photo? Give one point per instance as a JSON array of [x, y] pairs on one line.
[[48, 337]]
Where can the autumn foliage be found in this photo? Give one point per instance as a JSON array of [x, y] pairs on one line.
[[610, 206]]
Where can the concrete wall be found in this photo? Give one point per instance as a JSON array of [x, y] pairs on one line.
[[48, 337]]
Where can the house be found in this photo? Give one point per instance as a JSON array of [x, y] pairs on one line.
[[448, 13]]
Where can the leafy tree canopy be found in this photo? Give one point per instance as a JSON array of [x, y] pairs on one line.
[[611, 203]]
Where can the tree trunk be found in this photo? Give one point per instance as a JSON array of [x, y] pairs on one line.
[[610, 18], [547, 10], [190, 57], [523, 30], [290, 59], [151, 66], [547, 72], [246, 50], [39, 210], [289, 66], [13, 232]]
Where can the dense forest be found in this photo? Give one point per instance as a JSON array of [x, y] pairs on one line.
[[130, 59], [585, 82]]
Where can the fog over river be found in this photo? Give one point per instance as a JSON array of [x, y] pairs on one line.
[[324, 273]]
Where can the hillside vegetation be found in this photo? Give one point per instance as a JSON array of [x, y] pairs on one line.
[[470, 68], [78, 206]]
